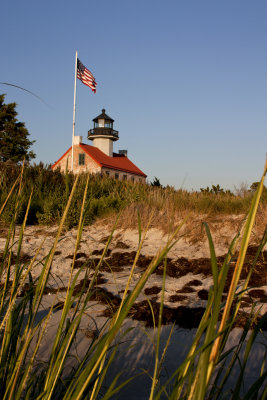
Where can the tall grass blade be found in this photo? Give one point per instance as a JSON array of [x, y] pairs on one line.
[[237, 271]]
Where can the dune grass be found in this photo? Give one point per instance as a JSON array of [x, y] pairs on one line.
[[106, 197], [22, 331]]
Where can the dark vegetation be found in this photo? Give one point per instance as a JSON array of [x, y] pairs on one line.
[[105, 197], [181, 314], [216, 189], [152, 290], [14, 137]]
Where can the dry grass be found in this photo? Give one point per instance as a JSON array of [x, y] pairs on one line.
[[221, 224]]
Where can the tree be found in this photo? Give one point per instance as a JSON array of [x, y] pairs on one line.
[[254, 187], [216, 190], [14, 142], [156, 182]]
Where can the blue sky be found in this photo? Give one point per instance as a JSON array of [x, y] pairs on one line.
[[185, 81]]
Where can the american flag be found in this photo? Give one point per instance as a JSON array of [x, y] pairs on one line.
[[85, 76]]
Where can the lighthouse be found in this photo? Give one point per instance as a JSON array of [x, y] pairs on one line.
[[100, 158], [103, 135]]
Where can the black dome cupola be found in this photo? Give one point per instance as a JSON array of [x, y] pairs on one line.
[[105, 117]]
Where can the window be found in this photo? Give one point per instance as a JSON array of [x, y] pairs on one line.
[[81, 159], [116, 176], [107, 173], [125, 177], [132, 178]]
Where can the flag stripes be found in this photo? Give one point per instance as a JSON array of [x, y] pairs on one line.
[[86, 76]]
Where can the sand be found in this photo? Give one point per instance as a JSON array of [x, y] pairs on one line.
[[188, 270]]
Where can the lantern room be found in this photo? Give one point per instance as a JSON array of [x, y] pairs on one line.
[[103, 135]]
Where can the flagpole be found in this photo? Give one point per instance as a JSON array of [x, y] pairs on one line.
[[74, 109]]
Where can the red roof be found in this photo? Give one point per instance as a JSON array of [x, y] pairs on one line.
[[118, 161]]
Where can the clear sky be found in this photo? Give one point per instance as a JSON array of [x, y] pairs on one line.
[[184, 80]]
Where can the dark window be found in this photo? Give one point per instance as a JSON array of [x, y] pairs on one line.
[[107, 173], [116, 176], [132, 178], [81, 159], [124, 177]]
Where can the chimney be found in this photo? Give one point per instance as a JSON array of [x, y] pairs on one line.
[[77, 139], [123, 153]]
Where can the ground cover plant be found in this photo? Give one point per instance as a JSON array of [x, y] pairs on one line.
[[204, 372]]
